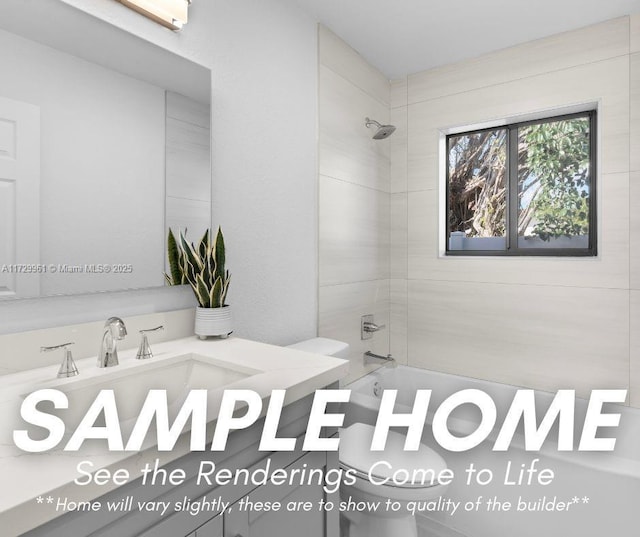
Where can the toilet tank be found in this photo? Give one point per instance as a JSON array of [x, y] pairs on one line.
[[323, 345]]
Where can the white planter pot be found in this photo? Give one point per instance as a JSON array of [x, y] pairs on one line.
[[213, 322]]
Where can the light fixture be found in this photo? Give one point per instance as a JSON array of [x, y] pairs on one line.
[[169, 13]]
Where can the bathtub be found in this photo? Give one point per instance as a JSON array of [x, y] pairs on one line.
[[606, 485]]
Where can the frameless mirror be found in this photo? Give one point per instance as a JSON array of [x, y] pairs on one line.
[[104, 145]]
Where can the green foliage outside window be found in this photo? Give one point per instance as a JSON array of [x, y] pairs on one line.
[[553, 179], [556, 155]]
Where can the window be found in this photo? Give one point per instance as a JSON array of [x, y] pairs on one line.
[[523, 189]]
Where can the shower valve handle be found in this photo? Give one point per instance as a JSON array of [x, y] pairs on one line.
[[372, 327], [368, 326]]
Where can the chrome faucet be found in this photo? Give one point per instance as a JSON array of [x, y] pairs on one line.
[[114, 329]]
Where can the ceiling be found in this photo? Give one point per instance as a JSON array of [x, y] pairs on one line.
[[400, 37]]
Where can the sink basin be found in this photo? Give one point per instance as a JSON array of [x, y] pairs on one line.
[[177, 375]]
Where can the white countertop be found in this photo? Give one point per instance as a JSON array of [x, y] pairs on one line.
[[27, 476]]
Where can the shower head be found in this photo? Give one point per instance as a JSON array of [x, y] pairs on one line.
[[382, 132]]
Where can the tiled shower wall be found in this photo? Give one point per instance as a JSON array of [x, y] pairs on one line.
[[546, 323], [354, 200]]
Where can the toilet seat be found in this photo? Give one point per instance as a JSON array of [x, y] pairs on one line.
[[323, 345], [355, 455]]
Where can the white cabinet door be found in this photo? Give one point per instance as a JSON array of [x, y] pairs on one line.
[[213, 528], [19, 196], [282, 523]]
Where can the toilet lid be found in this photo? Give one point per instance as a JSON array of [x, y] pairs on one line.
[[355, 443]]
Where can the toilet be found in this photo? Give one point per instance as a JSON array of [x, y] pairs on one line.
[[323, 345], [382, 466], [396, 472]]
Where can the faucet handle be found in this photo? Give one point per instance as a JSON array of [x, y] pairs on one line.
[[54, 347], [68, 367], [368, 327], [372, 327], [161, 327], [144, 351]]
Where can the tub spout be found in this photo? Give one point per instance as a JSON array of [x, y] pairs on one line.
[[372, 358]]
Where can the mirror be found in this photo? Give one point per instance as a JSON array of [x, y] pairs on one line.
[[104, 145]]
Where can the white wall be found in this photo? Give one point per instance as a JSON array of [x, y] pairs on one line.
[[546, 323], [25, 346], [264, 165], [354, 200], [263, 57]]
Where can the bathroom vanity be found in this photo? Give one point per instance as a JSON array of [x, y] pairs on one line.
[[238, 364]]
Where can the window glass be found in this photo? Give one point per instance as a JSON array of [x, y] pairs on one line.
[[477, 189], [553, 184], [523, 189]]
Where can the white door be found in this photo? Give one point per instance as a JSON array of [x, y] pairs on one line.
[[19, 198]]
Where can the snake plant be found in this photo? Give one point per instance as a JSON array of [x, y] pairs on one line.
[[201, 266], [176, 276]]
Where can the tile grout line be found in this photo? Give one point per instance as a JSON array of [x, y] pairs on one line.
[[354, 184], [356, 85], [390, 245], [516, 284], [406, 249], [488, 86], [629, 222]]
